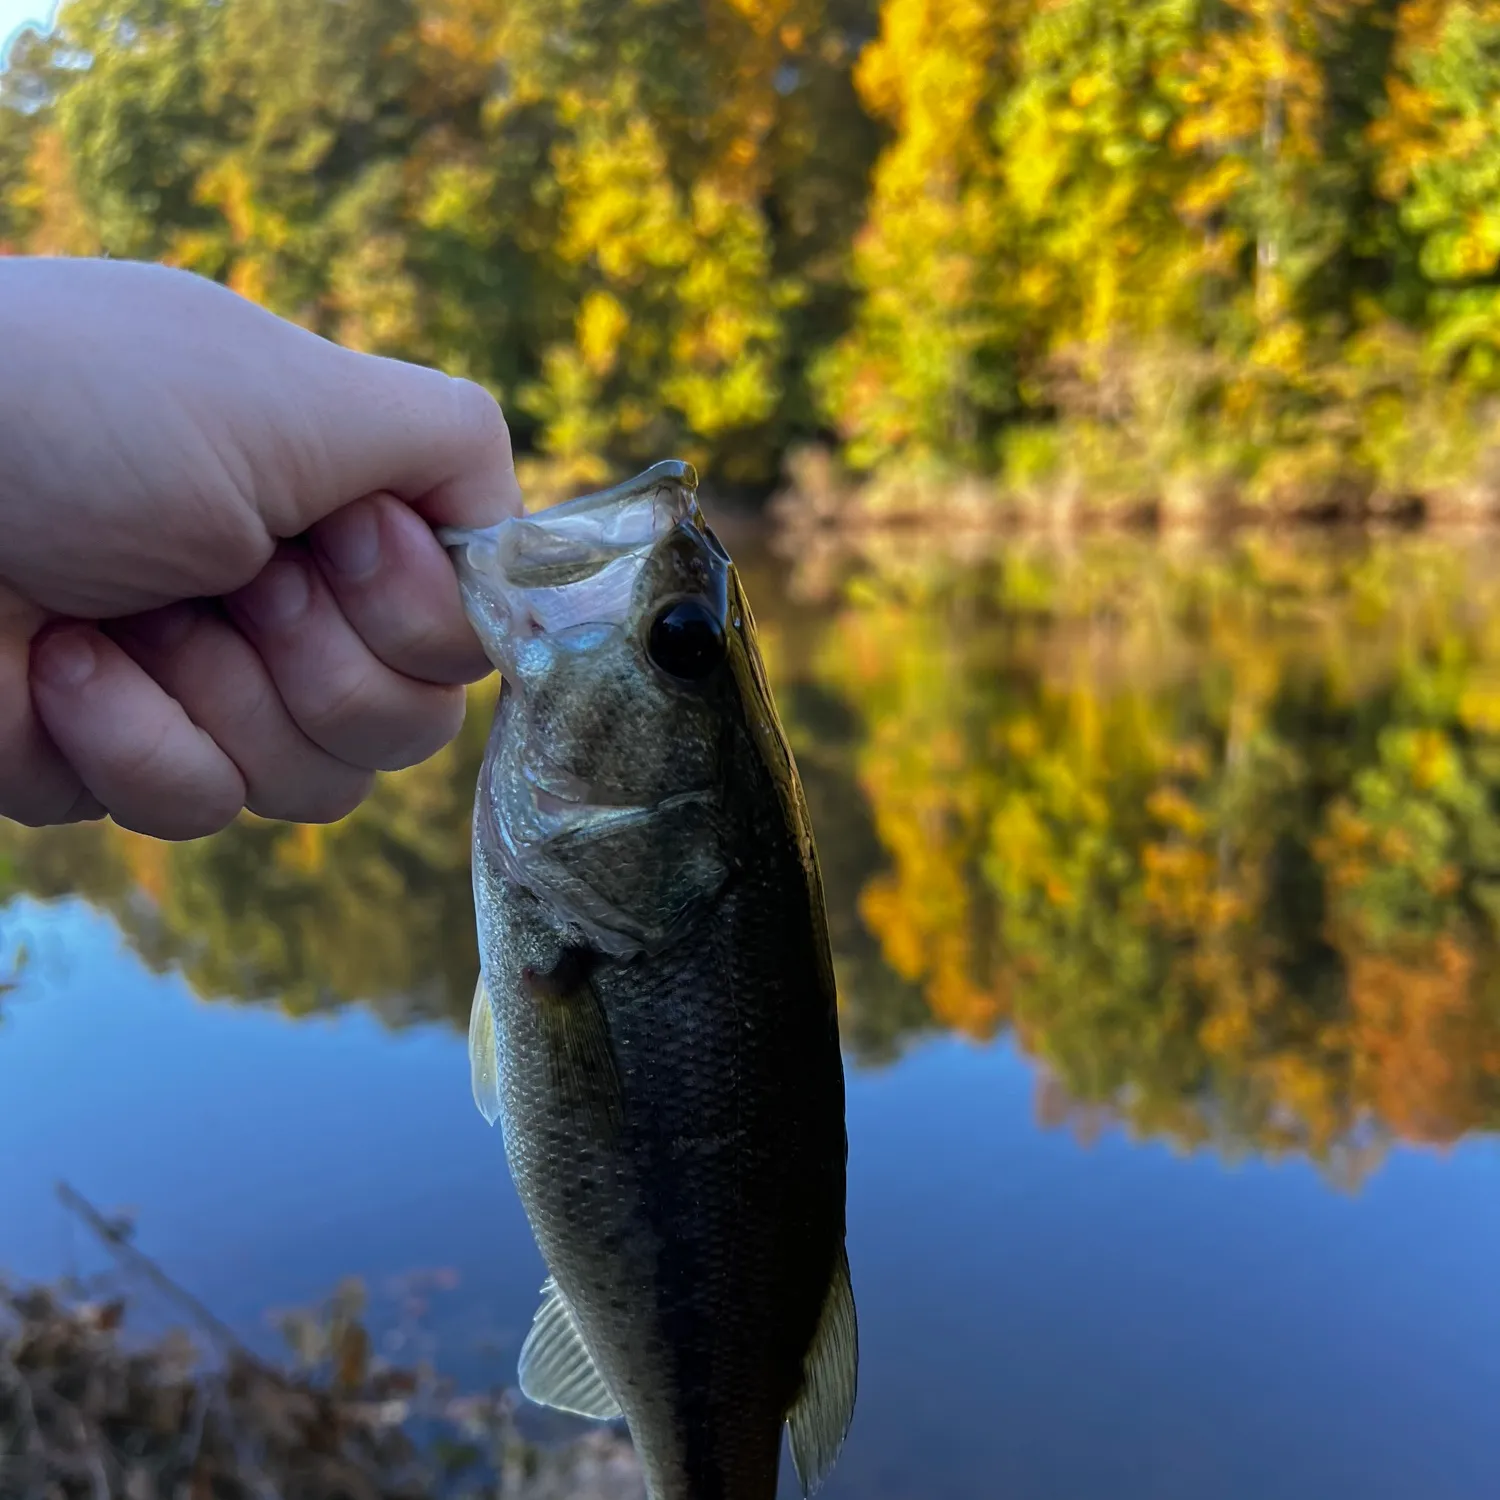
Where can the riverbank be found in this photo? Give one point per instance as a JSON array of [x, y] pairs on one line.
[[90, 1409]]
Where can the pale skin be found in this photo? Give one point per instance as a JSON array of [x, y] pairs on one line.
[[219, 586]]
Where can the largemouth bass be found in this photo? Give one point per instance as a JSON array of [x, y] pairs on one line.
[[655, 1025]]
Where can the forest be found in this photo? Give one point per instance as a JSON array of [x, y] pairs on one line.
[[1184, 257]]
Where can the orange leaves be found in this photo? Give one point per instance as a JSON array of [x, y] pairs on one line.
[[1405, 135], [1168, 805], [467, 37], [769, 18], [1417, 1043], [48, 197], [304, 850], [148, 863], [1270, 62], [1240, 862]]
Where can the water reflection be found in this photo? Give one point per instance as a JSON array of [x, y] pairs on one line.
[[1212, 831]]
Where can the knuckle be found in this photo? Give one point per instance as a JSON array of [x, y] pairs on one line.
[[169, 787], [245, 699], [347, 702], [144, 761], [383, 726], [144, 758], [421, 648]]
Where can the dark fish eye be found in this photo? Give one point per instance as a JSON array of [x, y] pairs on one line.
[[686, 640]]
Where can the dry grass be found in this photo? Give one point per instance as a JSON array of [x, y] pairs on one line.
[[87, 1413]]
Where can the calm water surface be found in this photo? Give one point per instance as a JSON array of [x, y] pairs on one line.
[[1165, 887]]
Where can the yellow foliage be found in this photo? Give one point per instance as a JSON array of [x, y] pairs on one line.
[[49, 194], [1088, 832], [602, 322]]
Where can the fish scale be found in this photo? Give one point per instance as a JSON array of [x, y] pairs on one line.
[[656, 1028]]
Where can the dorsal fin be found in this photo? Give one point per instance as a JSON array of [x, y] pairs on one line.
[[820, 1416], [556, 1367]]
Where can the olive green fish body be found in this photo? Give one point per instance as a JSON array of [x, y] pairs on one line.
[[656, 1028]]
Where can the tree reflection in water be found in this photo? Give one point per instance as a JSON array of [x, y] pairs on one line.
[[1212, 833]]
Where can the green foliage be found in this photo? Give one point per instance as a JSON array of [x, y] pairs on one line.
[[1440, 163], [1113, 254], [630, 221], [1170, 253]]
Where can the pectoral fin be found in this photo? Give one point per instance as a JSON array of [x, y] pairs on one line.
[[556, 1367], [820, 1416], [580, 1056], [484, 1058]]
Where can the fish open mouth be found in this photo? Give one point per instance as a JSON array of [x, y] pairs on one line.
[[572, 565]]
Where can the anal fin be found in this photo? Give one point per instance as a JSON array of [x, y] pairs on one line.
[[556, 1367]]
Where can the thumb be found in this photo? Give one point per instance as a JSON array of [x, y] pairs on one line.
[[365, 424]]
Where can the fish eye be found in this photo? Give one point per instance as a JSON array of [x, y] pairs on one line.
[[686, 640]]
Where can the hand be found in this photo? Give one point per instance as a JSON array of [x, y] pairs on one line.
[[219, 587]]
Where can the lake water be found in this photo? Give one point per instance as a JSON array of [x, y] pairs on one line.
[[1164, 881]]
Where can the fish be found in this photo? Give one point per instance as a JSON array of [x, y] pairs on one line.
[[655, 1025]]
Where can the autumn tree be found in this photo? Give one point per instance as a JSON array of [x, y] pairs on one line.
[[923, 370], [1437, 147]]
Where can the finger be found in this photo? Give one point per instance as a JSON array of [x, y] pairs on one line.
[[353, 424], [37, 786], [338, 425], [219, 679], [132, 746], [397, 588], [340, 695], [452, 438]]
